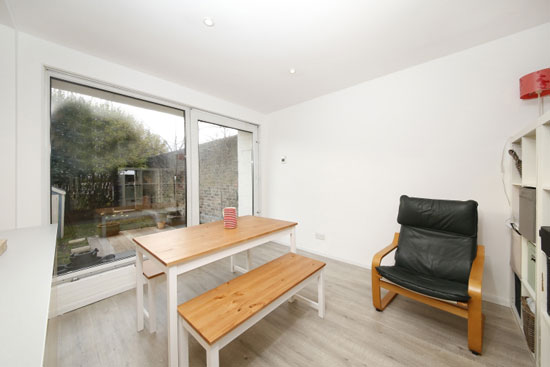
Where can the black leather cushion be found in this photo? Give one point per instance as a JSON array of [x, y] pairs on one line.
[[437, 254], [438, 238], [452, 216], [431, 286]]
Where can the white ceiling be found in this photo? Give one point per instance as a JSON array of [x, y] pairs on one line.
[[246, 57]]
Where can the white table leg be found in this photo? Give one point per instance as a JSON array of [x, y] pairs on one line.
[[139, 289], [321, 294], [183, 344], [293, 240], [232, 265], [248, 260], [292, 249], [172, 315], [213, 357], [151, 305]]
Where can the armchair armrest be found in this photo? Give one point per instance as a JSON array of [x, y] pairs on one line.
[[476, 273], [377, 259]]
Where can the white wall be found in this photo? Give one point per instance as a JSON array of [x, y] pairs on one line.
[[434, 130], [29, 136], [245, 173], [7, 128]]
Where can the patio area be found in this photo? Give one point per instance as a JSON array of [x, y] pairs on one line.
[[121, 242], [109, 248]]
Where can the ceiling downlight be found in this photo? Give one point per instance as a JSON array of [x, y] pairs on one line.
[[208, 22]]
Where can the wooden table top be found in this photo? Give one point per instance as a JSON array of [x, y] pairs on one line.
[[180, 245], [217, 312]]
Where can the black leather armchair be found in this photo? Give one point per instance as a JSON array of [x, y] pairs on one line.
[[438, 261]]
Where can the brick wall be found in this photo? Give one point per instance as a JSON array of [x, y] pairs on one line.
[[218, 175]]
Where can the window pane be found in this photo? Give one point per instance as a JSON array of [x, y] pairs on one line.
[[118, 170], [225, 171]]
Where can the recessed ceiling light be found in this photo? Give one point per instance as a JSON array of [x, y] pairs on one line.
[[292, 71], [208, 22]]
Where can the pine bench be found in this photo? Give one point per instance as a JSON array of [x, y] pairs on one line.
[[152, 273], [220, 315]]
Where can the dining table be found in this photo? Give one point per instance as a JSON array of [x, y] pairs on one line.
[[181, 250]]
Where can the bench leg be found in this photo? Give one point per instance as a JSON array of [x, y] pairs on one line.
[[213, 357], [183, 341], [321, 294], [292, 249], [234, 267], [151, 305]]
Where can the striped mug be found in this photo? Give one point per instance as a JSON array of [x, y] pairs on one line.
[[230, 217]]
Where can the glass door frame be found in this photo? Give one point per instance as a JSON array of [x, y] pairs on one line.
[[109, 279], [194, 200], [64, 76]]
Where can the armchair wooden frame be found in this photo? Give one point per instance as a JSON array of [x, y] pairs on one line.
[[471, 310]]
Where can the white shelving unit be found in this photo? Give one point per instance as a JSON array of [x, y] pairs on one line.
[[533, 147]]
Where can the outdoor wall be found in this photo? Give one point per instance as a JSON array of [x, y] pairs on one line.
[[434, 130], [31, 133], [7, 128], [218, 177]]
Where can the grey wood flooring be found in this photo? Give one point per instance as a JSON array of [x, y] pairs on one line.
[[407, 333]]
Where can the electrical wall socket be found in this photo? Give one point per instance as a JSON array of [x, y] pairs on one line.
[[320, 236]]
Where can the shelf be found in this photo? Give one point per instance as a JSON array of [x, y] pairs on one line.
[[529, 131], [516, 183], [532, 133], [546, 318], [528, 288], [529, 159], [545, 119], [543, 138], [544, 210]]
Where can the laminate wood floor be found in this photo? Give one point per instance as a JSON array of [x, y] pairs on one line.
[[407, 333]]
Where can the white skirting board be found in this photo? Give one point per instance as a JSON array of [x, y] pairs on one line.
[[69, 296]]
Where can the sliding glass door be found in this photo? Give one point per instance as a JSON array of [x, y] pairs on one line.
[[117, 170], [123, 166], [226, 166]]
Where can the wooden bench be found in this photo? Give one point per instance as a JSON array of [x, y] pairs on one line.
[[218, 316], [151, 273]]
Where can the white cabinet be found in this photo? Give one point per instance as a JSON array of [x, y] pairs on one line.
[[25, 286]]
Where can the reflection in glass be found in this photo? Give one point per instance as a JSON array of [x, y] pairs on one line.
[[118, 170]]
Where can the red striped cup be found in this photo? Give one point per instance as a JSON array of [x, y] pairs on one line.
[[230, 217]]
